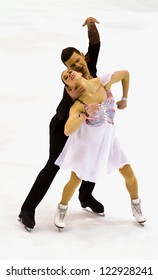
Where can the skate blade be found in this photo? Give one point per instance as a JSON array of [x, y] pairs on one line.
[[25, 227], [94, 213], [142, 223], [59, 228]]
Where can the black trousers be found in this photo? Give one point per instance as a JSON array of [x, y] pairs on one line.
[[47, 174]]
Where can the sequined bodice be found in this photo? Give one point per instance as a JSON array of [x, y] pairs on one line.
[[105, 114]]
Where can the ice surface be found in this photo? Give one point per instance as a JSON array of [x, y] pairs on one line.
[[32, 35]]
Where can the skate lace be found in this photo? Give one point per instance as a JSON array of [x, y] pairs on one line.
[[62, 213], [137, 208]]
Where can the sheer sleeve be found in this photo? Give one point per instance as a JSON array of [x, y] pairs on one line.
[[105, 79]]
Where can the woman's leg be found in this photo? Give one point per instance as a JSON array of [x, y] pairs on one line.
[[68, 192], [130, 180], [70, 188], [132, 187]]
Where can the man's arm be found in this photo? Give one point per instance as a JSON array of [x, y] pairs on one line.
[[94, 45], [93, 33], [92, 55]]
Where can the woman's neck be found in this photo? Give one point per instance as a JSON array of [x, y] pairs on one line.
[[90, 86]]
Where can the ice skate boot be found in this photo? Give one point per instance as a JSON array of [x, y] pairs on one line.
[[28, 219], [94, 205], [136, 210], [59, 220]]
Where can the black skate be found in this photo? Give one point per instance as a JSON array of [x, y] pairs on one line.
[[27, 218], [94, 205]]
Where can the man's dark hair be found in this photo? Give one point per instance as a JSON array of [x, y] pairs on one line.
[[67, 53]]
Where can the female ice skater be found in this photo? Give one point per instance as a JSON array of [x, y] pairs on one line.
[[92, 145]]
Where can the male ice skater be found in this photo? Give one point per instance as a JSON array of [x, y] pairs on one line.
[[74, 60]]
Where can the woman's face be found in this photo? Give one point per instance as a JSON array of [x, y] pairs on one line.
[[69, 77]]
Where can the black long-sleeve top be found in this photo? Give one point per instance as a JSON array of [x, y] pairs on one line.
[[66, 102]]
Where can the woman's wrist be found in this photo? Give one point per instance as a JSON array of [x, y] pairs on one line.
[[84, 114], [124, 98]]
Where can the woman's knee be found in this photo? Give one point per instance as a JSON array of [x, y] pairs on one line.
[[127, 171], [75, 178]]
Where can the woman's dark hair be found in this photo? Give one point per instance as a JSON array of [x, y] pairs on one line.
[[64, 82], [67, 53]]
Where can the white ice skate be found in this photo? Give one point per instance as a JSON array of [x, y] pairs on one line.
[[136, 210], [59, 220]]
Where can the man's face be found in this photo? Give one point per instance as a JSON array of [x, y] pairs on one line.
[[77, 63]]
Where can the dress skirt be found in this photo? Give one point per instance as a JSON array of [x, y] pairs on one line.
[[91, 150]]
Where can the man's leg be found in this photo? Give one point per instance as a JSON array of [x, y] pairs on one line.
[[44, 178], [40, 186], [36, 194], [86, 198]]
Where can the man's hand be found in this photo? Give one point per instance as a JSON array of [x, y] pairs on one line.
[[75, 92], [121, 104], [89, 20]]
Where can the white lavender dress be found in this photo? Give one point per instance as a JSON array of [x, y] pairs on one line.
[[94, 146]]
